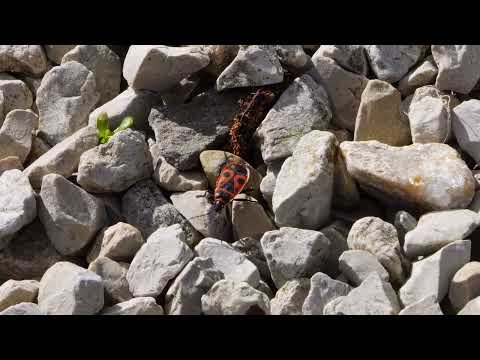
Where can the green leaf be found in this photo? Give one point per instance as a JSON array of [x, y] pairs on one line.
[[103, 131], [125, 124]]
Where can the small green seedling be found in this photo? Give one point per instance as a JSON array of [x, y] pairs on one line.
[[103, 129]]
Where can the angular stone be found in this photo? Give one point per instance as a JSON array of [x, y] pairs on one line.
[[16, 94], [39, 147], [301, 108], [159, 68], [426, 306], [465, 285], [404, 222], [337, 233], [71, 216], [432, 275], [10, 163], [379, 116], [431, 176], [228, 297], [267, 186], [304, 187], [254, 65], [351, 57], [181, 92], [16, 134], [27, 59], [135, 306], [423, 74], [249, 218], [114, 277], [472, 308], [24, 308], [466, 128], [357, 265], [220, 57], [290, 297], [63, 158], [323, 289], [68, 289], [292, 57], [458, 67], [252, 249], [294, 253], [437, 229], [55, 53], [14, 292], [17, 204], [158, 261], [184, 295], [64, 100], [345, 189]]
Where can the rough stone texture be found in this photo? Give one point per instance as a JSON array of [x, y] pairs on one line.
[[290, 297], [159, 68], [373, 297], [220, 57], [119, 242], [323, 289], [345, 190], [472, 308], [39, 147], [16, 134], [465, 285], [158, 261], [115, 166], [437, 229], [103, 63], [228, 297], [145, 207], [301, 108], [432, 176], [24, 308], [292, 57], [14, 292], [114, 277], [183, 131], [252, 249], [432, 275], [254, 65], [404, 222], [267, 186], [304, 187], [426, 306], [379, 116], [17, 204], [294, 253], [232, 263], [135, 306], [357, 265], [351, 57], [337, 233], [64, 100], [181, 92], [343, 87], [249, 218], [71, 216], [458, 67], [10, 163], [423, 74], [16, 94], [55, 53], [391, 62], [63, 158], [68, 289], [380, 238], [466, 128], [28, 59], [184, 295]]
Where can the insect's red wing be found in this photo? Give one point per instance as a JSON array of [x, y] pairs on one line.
[[232, 179]]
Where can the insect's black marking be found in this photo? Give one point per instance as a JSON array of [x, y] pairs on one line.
[[227, 174], [241, 181], [228, 187], [240, 170]]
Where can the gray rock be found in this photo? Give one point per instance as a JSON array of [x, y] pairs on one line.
[[267, 186], [114, 277], [294, 253], [423, 74], [437, 229], [158, 261], [184, 295], [16, 134], [254, 65], [323, 289], [145, 207], [63, 158], [24, 308], [301, 108], [39, 147], [265, 288], [115, 166], [103, 63], [380, 238], [232, 263], [119, 242], [432, 176], [292, 57], [391, 62], [466, 128], [27, 59], [465, 285], [373, 297], [181, 92], [404, 222], [135, 306], [337, 233], [64, 100], [472, 308], [220, 57], [357, 265], [17, 204], [68, 289], [304, 187], [55, 53], [426, 306], [252, 249], [249, 218], [379, 116], [71, 216], [159, 68], [14, 292], [345, 190], [16, 94], [290, 297], [228, 297], [458, 67], [10, 163], [183, 131], [343, 87], [432, 275], [351, 57]]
